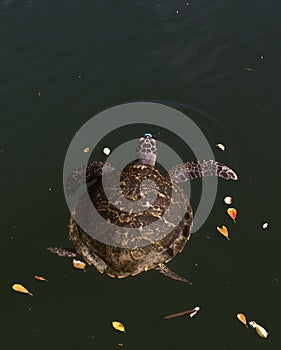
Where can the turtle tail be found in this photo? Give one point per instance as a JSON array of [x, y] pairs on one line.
[[167, 272]]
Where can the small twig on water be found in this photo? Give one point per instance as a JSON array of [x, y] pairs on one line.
[[180, 314]]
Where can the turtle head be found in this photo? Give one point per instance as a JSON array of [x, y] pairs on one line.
[[146, 151]]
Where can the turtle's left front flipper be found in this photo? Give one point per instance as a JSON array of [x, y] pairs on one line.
[[86, 173], [167, 272], [64, 252], [192, 170]]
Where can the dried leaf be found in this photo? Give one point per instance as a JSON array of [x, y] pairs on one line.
[[242, 318], [223, 231], [40, 278], [228, 200], [78, 264], [232, 212], [21, 289], [259, 329], [221, 146], [118, 326]]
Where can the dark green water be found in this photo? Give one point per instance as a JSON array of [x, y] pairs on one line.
[[64, 61]]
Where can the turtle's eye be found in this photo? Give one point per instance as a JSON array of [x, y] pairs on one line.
[[147, 134]]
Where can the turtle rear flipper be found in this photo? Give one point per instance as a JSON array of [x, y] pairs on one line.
[[162, 268], [193, 170], [64, 252]]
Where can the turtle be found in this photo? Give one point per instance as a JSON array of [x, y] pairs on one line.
[[126, 254]]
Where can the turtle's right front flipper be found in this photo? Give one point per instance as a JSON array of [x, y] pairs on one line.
[[86, 173], [192, 170]]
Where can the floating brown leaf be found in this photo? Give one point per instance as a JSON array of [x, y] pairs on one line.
[[223, 231], [232, 212], [242, 318], [118, 326], [21, 289]]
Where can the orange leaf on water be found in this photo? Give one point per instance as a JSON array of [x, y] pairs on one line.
[[223, 231], [79, 264], [242, 318], [40, 278], [232, 212], [21, 289]]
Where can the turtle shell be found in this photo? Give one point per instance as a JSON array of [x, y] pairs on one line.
[[135, 225]]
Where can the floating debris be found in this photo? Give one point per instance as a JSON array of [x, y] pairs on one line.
[[106, 151], [249, 69], [228, 200], [40, 278], [223, 230], [86, 150], [221, 146], [196, 309], [265, 225], [232, 212], [259, 329], [242, 318], [118, 326], [79, 264], [191, 313], [21, 289]]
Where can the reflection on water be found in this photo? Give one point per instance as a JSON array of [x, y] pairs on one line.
[[63, 62]]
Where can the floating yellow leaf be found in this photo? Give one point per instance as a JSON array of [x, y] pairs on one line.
[[242, 318], [118, 326], [259, 329], [221, 146], [223, 231], [78, 264], [40, 278], [232, 212], [21, 289]]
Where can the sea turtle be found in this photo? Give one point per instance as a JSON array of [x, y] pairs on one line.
[[146, 251]]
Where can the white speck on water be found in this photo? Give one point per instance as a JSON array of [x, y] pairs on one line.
[[265, 225], [228, 200], [106, 151]]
